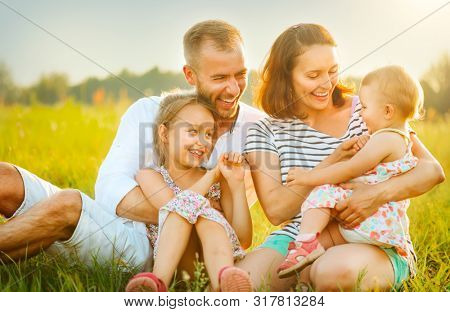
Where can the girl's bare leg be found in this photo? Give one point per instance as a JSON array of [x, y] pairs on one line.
[[172, 244], [189, 257], [216, 247]]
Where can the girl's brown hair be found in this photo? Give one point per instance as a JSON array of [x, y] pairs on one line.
[[170, 106], [275, 93]]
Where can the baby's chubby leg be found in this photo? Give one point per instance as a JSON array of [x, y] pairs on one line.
[[320, 220], [217, 249], [315, 220]]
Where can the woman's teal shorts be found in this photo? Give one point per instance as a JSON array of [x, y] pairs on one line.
[[280, 243]]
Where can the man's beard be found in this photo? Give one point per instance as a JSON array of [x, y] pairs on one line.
[[203, 95]]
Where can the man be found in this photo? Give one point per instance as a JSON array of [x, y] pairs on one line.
[[68, 222]]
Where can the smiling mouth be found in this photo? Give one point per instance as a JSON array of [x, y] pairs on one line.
[[320, 95], [197, 153], [228, 103]]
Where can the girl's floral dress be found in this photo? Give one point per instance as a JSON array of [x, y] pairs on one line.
[[191, 205]]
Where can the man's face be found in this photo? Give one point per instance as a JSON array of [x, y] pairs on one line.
[[221, 78]]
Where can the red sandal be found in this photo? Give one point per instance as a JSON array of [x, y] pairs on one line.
[[300, 255], [145, 281], [233, 279]]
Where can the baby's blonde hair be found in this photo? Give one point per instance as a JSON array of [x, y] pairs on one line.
[[396, 86], [170, 106]]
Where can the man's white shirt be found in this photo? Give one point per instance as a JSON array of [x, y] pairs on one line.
[[132, 148]]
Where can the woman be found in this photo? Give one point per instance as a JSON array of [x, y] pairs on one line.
[[314, 121]]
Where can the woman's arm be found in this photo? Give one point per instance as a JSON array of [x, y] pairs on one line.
[[279, 202], [366, 199]]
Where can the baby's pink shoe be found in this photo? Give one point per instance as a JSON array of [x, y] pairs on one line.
[[300, 255]]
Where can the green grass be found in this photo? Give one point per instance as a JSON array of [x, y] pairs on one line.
[[66, 144]]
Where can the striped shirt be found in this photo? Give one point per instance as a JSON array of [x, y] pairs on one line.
[[298, 145]]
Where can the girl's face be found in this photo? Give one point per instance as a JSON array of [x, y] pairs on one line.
[[372, 111], [190, 136], [314, 77]]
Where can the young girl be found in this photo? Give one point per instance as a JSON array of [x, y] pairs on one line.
[[185, 194], [390, 97]]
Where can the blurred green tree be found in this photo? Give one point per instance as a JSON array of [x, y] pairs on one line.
[[50, 89], [436, 85], [9, 93]]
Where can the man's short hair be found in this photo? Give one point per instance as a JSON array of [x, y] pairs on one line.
[[223, 36]]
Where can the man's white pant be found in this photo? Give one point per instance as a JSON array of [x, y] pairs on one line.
[[99, 235]]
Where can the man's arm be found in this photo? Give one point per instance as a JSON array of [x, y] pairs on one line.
[[116, 188], [366, 199], [135, 206]]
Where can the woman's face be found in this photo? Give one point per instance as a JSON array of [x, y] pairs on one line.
[[314, 77]]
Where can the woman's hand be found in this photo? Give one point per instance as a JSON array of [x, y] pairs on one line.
[[297, 176], [364, 202], [231, 167]]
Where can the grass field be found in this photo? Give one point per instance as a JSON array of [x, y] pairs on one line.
[[66, 144]]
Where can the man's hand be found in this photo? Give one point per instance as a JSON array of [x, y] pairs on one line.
[[364, 202]]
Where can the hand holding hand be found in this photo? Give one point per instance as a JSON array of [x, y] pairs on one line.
[[362, 140], [231, 166], [348, 148]]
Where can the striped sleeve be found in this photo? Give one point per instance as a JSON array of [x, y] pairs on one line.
[[260, 138]]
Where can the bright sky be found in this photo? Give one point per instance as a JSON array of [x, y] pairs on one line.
[[141, 34]]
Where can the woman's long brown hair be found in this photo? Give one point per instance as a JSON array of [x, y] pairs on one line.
[[275, 93]]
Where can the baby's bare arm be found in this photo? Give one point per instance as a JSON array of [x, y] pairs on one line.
[[377, 149]]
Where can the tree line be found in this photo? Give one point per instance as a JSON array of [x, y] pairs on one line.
[[127, 87]]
